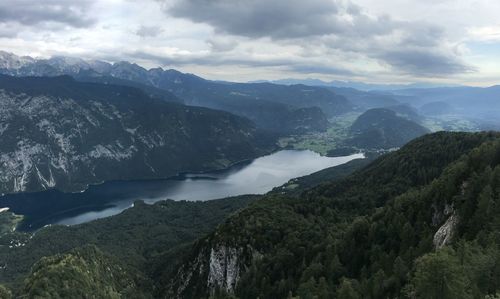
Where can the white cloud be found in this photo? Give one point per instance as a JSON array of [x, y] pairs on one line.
[[487, 33], [375, 41]]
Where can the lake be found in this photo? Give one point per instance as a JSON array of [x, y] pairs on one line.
[[110, 198]]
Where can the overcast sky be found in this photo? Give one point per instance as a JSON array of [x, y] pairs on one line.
[[378, 41]]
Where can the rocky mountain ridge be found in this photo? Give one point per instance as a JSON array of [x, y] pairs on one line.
[[60, 133], [283, 109]]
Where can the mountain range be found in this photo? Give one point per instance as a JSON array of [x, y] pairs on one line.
[[292, 108], [468, 101], [278, 108], [86, 122], [478, 104], [352, 84], [416, 218], [60, 133]]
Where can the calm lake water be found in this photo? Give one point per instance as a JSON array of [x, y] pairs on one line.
[[254, 177]]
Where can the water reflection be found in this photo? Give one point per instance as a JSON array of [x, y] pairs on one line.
[[256, 177]]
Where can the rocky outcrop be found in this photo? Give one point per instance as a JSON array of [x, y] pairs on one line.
[[445, 218], [446, 232], [213, 266], [447, 214], [224, 269], [444, 235], [441, 213]]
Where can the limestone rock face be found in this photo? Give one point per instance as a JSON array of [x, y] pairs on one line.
[[440, 214], [223, 268], [445, 233], [216, 265]]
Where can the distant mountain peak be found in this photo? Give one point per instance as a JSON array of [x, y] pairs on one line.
[[382, 128], [12, 61]]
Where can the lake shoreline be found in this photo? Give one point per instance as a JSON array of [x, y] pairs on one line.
[[257, 176]]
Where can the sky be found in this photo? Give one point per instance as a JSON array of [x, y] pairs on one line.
[[374, 41]]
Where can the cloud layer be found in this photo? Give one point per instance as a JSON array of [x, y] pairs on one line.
[[414, 48], [31, 13], [376, 41], [259, 18]]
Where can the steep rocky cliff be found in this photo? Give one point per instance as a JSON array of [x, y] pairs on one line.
[[59, 133]]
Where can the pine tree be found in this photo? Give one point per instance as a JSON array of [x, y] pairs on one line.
[[347, 291], [440, 276]]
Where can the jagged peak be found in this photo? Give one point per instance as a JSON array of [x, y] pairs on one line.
[[12, 61]]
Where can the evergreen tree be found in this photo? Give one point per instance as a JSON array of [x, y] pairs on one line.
[[5, 293], [346, 290], [439, 276]]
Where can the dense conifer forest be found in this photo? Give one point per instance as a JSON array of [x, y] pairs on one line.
[[421, 222]]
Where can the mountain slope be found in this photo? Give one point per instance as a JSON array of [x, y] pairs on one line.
[[84, 272], [470, 102], [406, 111], [75, 134], [300, 96], [310, 245], [134, 238], [364, 99], [284, 106], [436, 108], [272, 107], [383, 128], [392, 229], [94, 77]]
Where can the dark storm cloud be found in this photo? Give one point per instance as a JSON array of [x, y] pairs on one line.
[[36, 12]]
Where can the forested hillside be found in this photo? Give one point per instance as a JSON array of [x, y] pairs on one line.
[[421, 222], [368, 236], [249, 149], [384, 128], [75, 134], [133, 240]]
